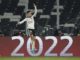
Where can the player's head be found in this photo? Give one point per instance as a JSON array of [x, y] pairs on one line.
[[29, 13]]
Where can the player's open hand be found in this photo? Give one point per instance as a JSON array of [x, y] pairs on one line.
[[16, 24]]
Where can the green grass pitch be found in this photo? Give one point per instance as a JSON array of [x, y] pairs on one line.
[[39, 58]]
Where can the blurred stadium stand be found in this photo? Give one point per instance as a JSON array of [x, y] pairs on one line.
[[12, 11]]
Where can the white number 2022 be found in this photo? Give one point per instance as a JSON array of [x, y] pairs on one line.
[[47, 53]]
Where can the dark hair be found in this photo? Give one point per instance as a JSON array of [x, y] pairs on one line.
[[28, 12]]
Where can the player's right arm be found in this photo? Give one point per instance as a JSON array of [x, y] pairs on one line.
[[21, 22]]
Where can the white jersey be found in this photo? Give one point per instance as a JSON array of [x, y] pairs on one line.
[[30, 21]]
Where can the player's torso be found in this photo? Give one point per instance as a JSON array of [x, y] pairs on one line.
[[30, 23]]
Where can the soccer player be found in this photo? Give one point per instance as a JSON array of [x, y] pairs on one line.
[[29, 19]]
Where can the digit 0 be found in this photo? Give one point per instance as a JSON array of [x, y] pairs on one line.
[[40, 47]]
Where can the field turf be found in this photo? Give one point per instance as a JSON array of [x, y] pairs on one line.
[[39, 58]]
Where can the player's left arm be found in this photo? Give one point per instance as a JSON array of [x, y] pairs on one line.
[[35, 13]]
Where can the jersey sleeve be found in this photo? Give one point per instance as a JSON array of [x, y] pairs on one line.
[[35, 13], [22, 21]]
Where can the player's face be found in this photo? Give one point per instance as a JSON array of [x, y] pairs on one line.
[[29, 14]]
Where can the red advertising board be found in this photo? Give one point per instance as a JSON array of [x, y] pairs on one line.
[[46, 46]]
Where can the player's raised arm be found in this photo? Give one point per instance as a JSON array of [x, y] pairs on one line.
[[35, 12]]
